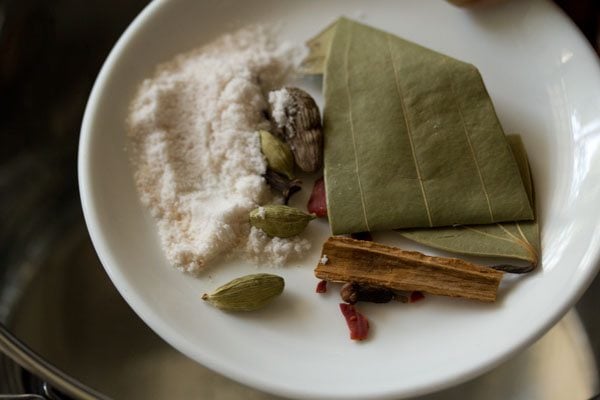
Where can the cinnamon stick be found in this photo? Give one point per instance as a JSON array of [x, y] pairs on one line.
[[371, 263]]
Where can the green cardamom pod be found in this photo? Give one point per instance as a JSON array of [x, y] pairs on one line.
[[280, 221], [278, 154], [247, 293]]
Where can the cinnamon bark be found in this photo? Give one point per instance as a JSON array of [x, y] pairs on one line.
[[376, 264]]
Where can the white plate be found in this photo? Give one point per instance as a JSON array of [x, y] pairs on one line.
[[545, 83]]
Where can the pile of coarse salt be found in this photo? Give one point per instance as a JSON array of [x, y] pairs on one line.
[[281, 101], [196, 152]]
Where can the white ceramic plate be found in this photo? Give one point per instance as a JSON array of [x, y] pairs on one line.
[[545, 82]]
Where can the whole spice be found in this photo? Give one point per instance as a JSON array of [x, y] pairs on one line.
[[357, 323], [278, 154], [321, 287], [297, 115], [278, 220], [416, 296], [353, 292], [402, 296], [279, 183], [247, 293], [375, 264], [318, 49], [430, 121], [317, 204]]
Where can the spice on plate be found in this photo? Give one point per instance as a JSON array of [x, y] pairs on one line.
[[357, 323], [278, 154], [297, 116], [321, 287], [282, 185], [390, 106], [247, 293], [279, 220], [416, 296], [518, 240], [376, 264], [317, 203], [353, 292], [368, 142], [402, 296]]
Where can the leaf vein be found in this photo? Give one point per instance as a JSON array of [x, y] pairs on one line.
[[472, 150], [409, 133], [352, 130], [530, 246], [489, 234], [521, 242], [509, 233]]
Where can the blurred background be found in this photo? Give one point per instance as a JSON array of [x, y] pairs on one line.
[[61, 317]]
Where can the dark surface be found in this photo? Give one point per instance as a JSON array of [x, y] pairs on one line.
[[586, 14], [50, 54]]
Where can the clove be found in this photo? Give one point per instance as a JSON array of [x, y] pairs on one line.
[[281, 184]]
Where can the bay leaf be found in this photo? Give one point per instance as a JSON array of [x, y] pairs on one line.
[[318, 49], [411, 138], [517, 240]]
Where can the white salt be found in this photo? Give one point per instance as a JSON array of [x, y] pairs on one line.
[[324, 260], [196, 152], [281, 105]]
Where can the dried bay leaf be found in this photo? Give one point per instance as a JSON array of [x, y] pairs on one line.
[[508, 240], [318, 48], [411, 137], [517, 240]]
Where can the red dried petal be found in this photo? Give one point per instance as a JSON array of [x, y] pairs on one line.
[[322, 287], [416, 296], [317, 204], [357, 323]]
